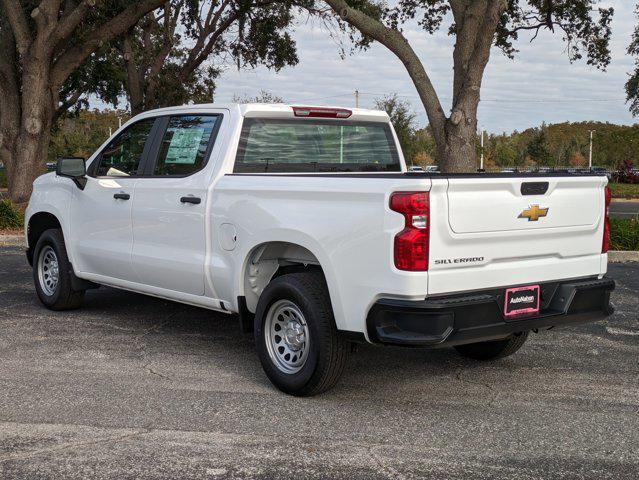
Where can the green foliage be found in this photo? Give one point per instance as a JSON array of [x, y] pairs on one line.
[[632, 85], [100, 74], [3, 178], [403, 120], [80, 135], [10, 218], [584, 27], [170, 57], [537, 148], [263, 97], [624, 234], [566, 144], [559, 145], [624, 190], [424, 148]]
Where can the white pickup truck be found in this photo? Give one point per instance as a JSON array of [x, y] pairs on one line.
[[305, 223]]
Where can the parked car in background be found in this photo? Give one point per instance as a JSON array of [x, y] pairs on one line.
[[304, 223]]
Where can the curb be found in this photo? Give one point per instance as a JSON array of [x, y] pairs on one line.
[[619, 256], [624, 200], [12, 241]]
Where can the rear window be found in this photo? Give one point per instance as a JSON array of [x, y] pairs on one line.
[[274, 145]]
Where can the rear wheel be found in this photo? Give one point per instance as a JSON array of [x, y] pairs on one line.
[[494, 349], [52, 273], [296, 337]]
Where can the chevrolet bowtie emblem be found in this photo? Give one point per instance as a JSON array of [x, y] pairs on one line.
[[534, 213]]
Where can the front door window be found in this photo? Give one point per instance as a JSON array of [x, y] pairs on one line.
[[122, 156]]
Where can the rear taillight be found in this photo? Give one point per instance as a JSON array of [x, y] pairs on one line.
[[605, 244], [411, 244]]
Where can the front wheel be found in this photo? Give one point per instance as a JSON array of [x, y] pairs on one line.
[[296, 337], [52, 273], [494, 349]]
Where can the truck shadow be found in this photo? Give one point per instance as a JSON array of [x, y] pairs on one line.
[[173, 332]]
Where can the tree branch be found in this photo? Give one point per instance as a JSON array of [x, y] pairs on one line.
[[397, 43], [198, 56], [484, 42], [69, 22], [468, 20], [18, 22], [134, 77], [204, 30], [67, 62], [67, 103]]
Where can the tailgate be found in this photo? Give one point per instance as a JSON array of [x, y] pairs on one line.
[[501, 231]]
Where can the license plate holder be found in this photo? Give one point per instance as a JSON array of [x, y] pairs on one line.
[[521, 301]]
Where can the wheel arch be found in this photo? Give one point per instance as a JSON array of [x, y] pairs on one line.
[[37, 224], [269, 260]]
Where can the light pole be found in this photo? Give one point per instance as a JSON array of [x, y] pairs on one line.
[[590, 156], [481, 157], [356, 98]]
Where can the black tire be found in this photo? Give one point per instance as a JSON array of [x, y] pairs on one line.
[[494, 349], [62, 297], [328, 351]]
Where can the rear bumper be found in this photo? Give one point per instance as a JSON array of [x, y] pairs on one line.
[[459, 319]]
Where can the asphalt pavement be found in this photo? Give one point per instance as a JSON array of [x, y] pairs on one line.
[[624, 209], [137, 387]]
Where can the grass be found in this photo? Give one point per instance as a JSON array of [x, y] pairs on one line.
[[624, 190], [624, 234], [10, 217]]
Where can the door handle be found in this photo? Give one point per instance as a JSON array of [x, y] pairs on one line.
[[534, 188], [121, 196], [193, 200]]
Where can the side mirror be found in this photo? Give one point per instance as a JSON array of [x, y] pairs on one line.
[[74, 168]]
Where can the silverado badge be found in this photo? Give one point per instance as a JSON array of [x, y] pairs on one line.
[[533, 213]]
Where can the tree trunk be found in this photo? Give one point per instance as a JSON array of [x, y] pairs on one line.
[[475, 26], [38, 47], [30, 147], [460, 152], [134, 82]]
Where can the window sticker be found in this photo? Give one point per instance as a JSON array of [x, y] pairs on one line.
[[184, 146]]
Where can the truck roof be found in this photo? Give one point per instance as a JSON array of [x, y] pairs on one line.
[[274, 110]]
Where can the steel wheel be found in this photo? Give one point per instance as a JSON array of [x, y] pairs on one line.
[[286, 336], [48, 270]]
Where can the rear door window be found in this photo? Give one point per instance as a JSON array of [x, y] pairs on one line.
[[274, 145], [185, 144]]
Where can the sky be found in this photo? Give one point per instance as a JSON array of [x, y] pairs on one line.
[[540, 85]]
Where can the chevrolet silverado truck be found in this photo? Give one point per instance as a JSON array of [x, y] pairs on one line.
[[305, 223]]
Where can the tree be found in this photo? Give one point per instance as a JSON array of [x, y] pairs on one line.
[[80, 135], [424, 147], [164, 55], [403, 120], [632, 85], [537, 149], [263, 97], [477, 25], [44, 45], [577, 159]]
